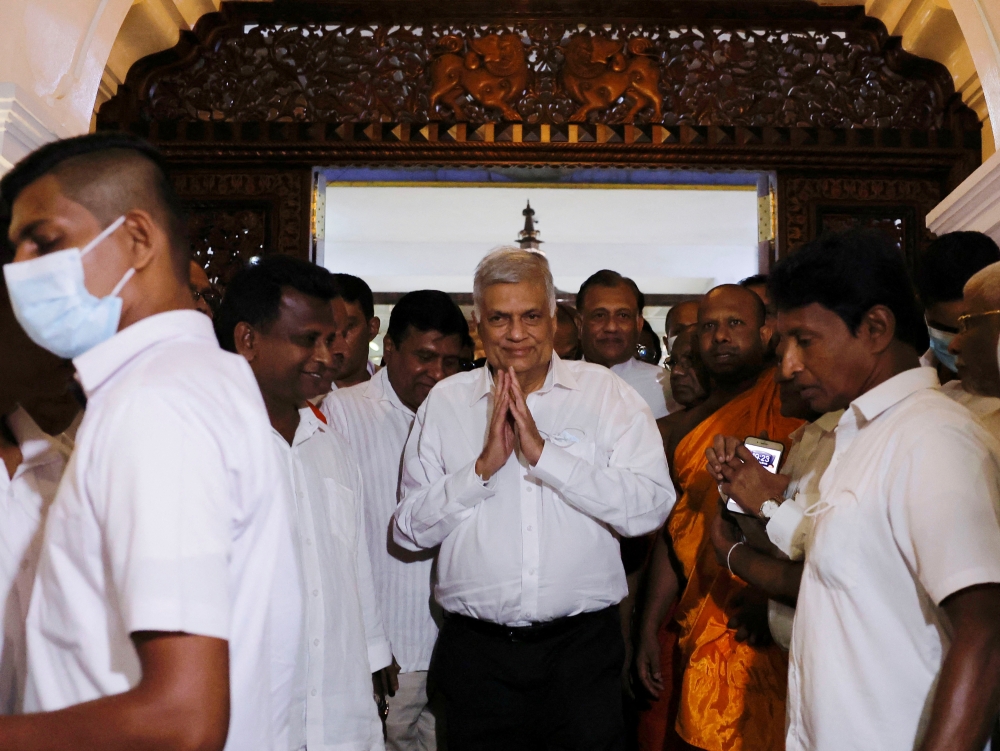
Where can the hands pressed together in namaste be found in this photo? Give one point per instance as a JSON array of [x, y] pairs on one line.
[[511, 426]]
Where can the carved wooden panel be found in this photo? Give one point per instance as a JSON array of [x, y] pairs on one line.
[[237, 214], [897, 207], [732, 72], [225, 237]]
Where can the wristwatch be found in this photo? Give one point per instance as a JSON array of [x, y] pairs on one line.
[[768, 507]]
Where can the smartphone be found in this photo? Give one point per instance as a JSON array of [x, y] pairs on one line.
[[768, 453]]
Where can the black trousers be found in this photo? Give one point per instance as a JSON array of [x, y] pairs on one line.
[[555, 688]]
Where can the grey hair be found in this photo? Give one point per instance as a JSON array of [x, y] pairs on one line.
[[509, 264]]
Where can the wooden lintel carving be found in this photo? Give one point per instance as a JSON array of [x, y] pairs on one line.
[[494, 72], [270, 63]]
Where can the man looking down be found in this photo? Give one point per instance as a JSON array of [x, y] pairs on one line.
[[149, 625], [905, 535]]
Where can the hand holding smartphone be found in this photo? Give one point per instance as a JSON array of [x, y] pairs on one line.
[[768, 453]]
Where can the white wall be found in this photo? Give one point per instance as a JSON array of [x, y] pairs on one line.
[[669, 240]]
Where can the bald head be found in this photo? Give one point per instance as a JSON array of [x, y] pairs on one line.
[[975, 346], [984, 287], [681, 316], [732, 333]]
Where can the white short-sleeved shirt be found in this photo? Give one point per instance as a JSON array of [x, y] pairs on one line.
[[534, 543], [24, 502], [908, 515], [812, 449], [376, 424], [170, 518], [332, 704], [986, 409], [645, 379]]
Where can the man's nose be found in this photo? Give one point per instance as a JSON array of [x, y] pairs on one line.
[[323, 353], [956, 345], [516, 331], [722, 334], [436, 369]]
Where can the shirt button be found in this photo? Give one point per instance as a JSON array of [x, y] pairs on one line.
[[531, 571], [315, 593], [308, 541], [315, 642], [530, 528], [313, 692]]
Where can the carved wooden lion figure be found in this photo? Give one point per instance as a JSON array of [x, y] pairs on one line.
[[494, 73], [598, 72]]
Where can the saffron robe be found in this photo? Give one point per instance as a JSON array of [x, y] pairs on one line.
[[732, 695]]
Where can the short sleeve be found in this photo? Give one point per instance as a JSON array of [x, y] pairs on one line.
[[945, 510], [166, 519]]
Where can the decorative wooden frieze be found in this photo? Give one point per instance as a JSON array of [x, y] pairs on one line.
[[706, 73]]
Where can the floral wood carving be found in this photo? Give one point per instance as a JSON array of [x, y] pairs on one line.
[[814, 204], [237, 215], [718, 73], [598, 73], [494, 72]]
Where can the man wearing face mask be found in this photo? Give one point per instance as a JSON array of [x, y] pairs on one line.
[[149, 624], [942, 271]]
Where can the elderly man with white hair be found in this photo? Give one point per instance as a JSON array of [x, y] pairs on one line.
[[526, 473]]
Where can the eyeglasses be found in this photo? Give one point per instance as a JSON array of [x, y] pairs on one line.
[[963, 321], [211, 296]]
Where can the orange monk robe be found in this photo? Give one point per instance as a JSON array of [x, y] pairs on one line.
[[732, 695]]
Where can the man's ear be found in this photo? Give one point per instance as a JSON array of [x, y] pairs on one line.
[[245, 339], [766, 332], [640, 322], [145, 235], [878, 328], [374, 323]]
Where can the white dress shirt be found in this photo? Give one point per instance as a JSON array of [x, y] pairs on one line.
[[907, 516], [332, 703], [170, 517], [24, 502], [534, 543], [808, 458], [986, 409], [376, 424], [645, 379]]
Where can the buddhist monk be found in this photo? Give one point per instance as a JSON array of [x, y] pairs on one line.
[[731, 695], [689, 383]]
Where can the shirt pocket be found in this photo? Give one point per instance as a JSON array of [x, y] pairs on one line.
[[575, 441], [341, 511], [834, 548]]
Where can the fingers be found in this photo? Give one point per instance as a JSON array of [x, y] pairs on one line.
[[744, 454], [713, 465], [732, 443], [650, 676]]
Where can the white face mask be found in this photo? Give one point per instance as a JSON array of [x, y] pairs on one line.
[[53, 305]]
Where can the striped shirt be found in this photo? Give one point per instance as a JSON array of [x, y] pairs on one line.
[[376, 424]]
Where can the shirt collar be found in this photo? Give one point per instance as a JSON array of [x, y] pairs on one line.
[[309, 425], [559, 374], [95, 366], [37, 447], [889, 393], [823, 424], [380, 388]]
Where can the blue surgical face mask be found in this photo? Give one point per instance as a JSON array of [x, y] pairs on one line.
[[53, 305], [939, 346]]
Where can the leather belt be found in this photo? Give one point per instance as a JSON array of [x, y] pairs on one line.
[[536, 632]]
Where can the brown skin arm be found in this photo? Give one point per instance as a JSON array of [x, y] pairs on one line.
[[662, 587], [968, 692], [778, 579], [180, 704]]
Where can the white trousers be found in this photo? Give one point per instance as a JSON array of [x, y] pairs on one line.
[[411, 726]]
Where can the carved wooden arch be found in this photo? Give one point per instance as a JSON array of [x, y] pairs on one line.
[[260, 93]]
